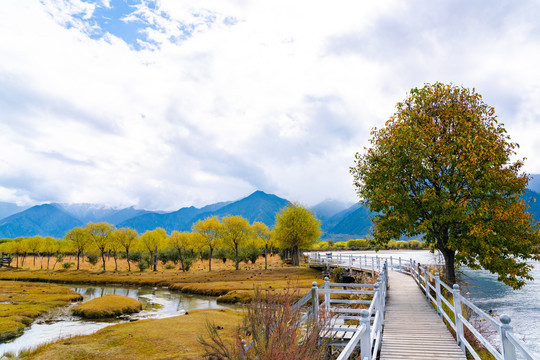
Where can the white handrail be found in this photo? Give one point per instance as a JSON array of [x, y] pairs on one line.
[[369, 340], [423, 278]]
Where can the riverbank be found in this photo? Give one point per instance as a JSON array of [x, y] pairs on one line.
[[170, 338], [229, 285], [21, 303]]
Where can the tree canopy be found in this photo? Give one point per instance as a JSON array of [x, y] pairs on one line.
[[235, 232], [100, 233], [210, 231], [442, 168], [296, 228]]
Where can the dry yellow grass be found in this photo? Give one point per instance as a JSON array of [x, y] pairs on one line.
[[220, 281], [21, 302], [171, 338], [107, 306]]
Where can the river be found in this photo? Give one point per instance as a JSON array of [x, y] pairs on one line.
[[482, 287], [60, 323]]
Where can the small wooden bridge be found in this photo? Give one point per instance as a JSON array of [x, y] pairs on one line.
[[409, 321]]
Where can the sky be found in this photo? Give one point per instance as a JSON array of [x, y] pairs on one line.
[[166, 104]]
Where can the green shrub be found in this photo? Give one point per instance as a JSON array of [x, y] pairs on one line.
[[414, 244], [143, 264], [169, 266], [92, 259], [250, 253], [67, 265], [322, 245]]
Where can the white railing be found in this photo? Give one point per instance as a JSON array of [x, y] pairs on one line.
[[507, 346], [368, 334], [463, 314]]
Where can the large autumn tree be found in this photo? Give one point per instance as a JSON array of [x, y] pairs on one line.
[[296, 228], [442, 168]]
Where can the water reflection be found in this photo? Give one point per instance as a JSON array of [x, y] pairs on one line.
[[158, 303]]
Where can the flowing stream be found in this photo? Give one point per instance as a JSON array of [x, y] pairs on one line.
[[60, 323]]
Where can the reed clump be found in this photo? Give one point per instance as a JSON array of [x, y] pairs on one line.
[[108, 306], [22, 302]]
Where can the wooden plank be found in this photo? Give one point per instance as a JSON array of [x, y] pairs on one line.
[[412, 329]]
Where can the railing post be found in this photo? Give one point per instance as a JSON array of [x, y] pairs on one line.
[[365, 341], [327, 294], [419, 276], [457, 311], [438, 294], [508, 349], [426, 279], [372, 266], [315, 302], [411, 266], [350, 264], [391, 263], [380, 305], [385, 269], [400, 268], [378, 263], [365, 260]]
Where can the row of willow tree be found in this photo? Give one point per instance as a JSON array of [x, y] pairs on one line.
[[230, 237]]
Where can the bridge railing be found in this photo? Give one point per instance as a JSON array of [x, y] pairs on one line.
[[368, 335], [465, 315], [462, 314]]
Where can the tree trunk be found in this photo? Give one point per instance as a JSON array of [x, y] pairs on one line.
[[266, 257], [103, 259], [236, 251], [210, 260], [115, 263], [155, 260], [181, 259], [449, 263], [78, 256], [127, 257], [295, 258]]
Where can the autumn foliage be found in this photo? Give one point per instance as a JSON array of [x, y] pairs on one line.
[[442, 167]]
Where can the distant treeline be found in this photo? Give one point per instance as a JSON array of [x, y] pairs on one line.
[[364, 244]]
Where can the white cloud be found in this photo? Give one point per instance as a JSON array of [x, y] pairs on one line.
[[232, 96]]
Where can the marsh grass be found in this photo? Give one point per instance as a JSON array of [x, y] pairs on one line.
[[219, 282], [170, 338], [107, 306], [271, 330], [21, 303]]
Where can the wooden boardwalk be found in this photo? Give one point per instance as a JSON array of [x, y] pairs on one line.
[[412, 328]]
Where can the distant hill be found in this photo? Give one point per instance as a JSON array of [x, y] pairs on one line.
[[45, 220], [99, 213], [180, 220], [355, 223], [327, 224], [329, 208], [258, 206], [532, 198], [8, 209], [534, 184]]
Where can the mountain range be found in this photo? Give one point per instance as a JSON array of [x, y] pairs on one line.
[[339, 221]]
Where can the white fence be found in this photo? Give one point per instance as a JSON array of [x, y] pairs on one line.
[[463, 314], [368, 334], [459, 312]]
